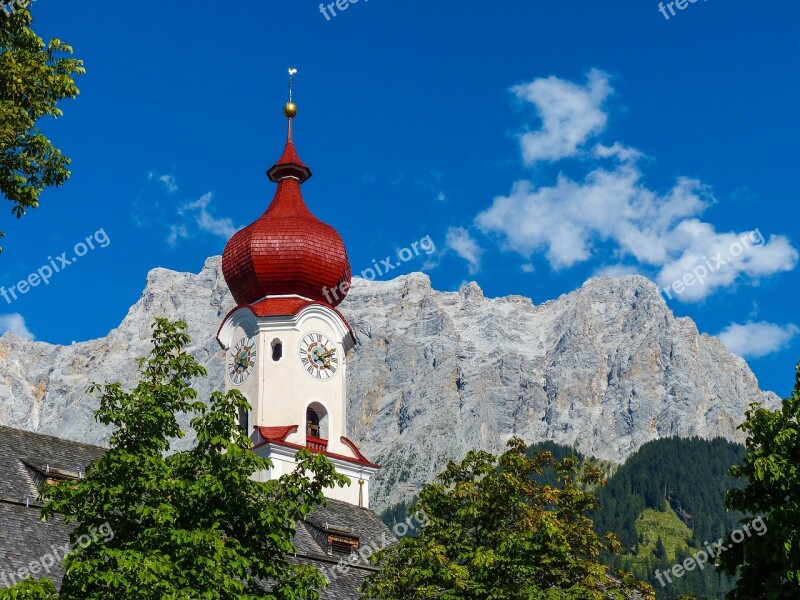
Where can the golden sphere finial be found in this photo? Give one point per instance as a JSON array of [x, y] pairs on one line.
[[290, 109]]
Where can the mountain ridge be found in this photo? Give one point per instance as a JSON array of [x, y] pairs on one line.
[[605, 368]]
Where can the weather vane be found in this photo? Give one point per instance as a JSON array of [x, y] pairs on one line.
[[290, 110], [292, 73]]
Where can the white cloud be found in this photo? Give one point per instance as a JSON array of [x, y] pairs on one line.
[[756, 339], [570, 115], [611, 205], [169, 182], [564, 220], [623, 153], [615, 271], [461, 242], [176, 232], [222, 227], [528, 268], [745, 257], [15, 323]]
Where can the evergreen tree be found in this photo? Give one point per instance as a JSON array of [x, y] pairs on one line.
[[696, 478], [660, 552]]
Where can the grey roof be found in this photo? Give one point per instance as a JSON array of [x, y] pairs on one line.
[[23, 453], [24, 538], [344, 573], [340, 516], [343, 584]]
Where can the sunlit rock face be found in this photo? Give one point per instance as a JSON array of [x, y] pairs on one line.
[[605, 368]]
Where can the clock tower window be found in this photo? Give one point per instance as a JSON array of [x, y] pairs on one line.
[[316, 423], [277, 350]]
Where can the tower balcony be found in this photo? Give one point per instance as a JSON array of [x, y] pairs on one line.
[[316, 444]]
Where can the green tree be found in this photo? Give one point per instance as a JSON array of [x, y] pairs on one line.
[[34, 77], [192, 524], [31, 589], [660, 552], [498, 532], [768, 561]]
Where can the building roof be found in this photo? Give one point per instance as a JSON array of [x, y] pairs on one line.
[[283, 306], [344, 574], [289, 164], [26, 456], [24, 538], [25, 459], [287, 250]]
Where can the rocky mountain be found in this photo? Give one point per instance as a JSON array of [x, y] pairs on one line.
[[605, 368]]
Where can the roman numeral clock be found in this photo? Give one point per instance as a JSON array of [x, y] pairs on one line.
[[241, 360], [318, 356]]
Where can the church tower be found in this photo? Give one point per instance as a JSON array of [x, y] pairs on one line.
[[286, 343]]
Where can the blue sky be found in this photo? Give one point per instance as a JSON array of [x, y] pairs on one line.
[[536, 143]]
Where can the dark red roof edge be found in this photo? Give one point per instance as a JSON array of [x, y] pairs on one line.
[[361, 460], [289, 164], [300, 302], [276, 434], [355, 450]]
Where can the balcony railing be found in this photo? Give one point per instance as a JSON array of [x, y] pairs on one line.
[[316, 444]]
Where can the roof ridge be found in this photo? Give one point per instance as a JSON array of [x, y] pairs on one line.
[[52, 437]]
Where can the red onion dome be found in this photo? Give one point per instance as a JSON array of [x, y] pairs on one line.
[[287, 250]]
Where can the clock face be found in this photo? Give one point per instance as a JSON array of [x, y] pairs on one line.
[[318, 356], [241, 360]]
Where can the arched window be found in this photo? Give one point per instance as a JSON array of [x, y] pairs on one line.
[[312, 423], [277, 350], [317, 421]]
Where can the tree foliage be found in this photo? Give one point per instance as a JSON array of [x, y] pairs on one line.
[[192, 524], [497, 532], [34, 77], [660, 552], [690, 477], [31, 589], [769, 565]]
